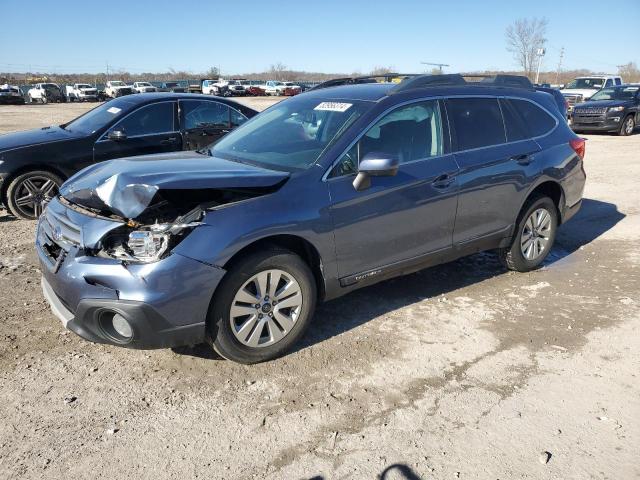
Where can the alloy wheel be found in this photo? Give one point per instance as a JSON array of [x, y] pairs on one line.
[[32, 194], [265, 309], [536, 234], [628, 126]]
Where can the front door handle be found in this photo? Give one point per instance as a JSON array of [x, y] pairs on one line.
[[443, 181], [168, 141]]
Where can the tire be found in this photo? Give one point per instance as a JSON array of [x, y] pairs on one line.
[[18, 201], [263, 320], [627, 127], [522, 257]]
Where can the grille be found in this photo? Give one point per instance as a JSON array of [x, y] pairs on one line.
[[573, 99], [590, 112], [59, 228]]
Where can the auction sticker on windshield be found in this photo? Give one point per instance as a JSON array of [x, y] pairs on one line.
[[333, 106], [114, 110]]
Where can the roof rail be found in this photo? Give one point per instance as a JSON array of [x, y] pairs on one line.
[[386, 77], [457, 79]]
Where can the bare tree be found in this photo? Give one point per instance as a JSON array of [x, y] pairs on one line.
[[381, 70], [524, 37], [213, 73], [629, 72], [277, 70]]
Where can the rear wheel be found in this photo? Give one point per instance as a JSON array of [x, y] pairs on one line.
[[535, 235], [262, 307], [28, 193], [627, 127]]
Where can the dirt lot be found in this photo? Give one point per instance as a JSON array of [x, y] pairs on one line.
[[461, 371]]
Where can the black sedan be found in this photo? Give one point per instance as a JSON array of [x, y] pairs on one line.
[[612, 109], [34, 163]]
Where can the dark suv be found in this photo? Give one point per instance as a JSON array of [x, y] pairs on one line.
[[612, 109], [320, 194]]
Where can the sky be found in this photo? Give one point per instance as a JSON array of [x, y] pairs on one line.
[[331, 36]]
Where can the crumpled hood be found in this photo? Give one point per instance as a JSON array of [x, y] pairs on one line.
[[37, 136], [127, 186]]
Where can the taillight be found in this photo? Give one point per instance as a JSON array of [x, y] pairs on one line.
[[579, 146]]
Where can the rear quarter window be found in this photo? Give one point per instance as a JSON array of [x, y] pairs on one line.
[[477, 122], [537, 121]]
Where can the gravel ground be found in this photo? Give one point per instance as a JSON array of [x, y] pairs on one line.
[[460, 371]]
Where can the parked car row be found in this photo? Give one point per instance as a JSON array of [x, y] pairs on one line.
[[84, 92], [241, 87]]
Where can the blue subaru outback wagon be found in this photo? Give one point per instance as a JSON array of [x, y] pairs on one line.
[[326, 192]]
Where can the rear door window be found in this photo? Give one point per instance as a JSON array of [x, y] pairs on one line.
[[537, 121], [477, 122], [204, 114]]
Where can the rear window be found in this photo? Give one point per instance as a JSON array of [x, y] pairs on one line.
[[537, 121], [477, 122]]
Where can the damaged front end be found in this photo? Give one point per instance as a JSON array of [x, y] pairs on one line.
[[155, 204]]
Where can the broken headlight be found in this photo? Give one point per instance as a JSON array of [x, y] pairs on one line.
[[147, 243]]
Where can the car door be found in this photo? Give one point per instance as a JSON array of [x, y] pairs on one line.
[[206, 121], [399, 217], [149, 129], [494, 172]]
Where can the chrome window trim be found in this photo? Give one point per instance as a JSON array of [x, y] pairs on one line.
[[444, 98], [104, 135]]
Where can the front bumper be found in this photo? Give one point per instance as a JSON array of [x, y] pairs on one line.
[[165, 303], [605, 124]]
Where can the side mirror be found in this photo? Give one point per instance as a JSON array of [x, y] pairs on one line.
[[117, 135], [375, 164]]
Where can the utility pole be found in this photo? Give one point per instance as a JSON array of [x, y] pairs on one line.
[[439, 65], [559, 65], [540, 53]]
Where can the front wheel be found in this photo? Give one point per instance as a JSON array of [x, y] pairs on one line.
[[535, 235], [628, 126], [262, 307]]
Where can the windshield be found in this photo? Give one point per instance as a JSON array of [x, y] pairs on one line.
[[99, 117], [84, 85], [144, 84], [117, 84], [619, 93], [171, 84], [593, 83], [290, 135]]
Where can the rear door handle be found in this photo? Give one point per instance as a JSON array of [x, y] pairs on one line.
[[443, 181], [524, 159]]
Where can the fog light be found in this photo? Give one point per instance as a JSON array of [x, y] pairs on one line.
[[121, 326]]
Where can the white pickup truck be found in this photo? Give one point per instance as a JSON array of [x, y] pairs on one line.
[[117, 88], [143, 87], [581, 89], [214, 87], [273, 87], [81, 92], [45, 93]]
